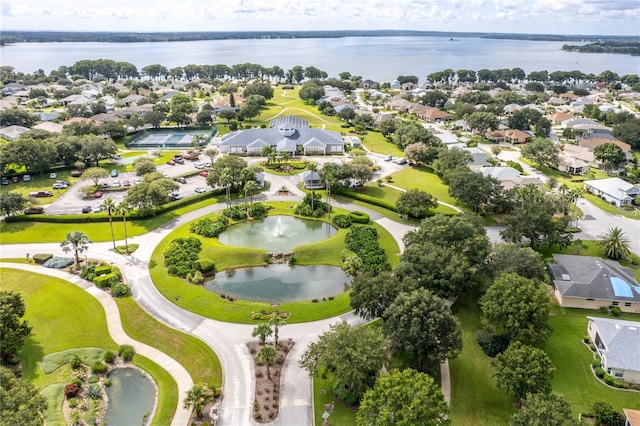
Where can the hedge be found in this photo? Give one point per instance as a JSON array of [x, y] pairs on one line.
[[136, 215], [40, 258], [102, 270], [103, 280], [367, 199], [359, 217]]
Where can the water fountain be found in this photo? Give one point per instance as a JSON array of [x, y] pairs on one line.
[[279, 229]]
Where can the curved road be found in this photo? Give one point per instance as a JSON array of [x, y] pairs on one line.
[[226, 339]]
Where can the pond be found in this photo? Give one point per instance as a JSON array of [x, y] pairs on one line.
[[281, 283], [277, 233], [132, 397]]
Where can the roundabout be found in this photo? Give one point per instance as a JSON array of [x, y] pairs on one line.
[[227, 339]]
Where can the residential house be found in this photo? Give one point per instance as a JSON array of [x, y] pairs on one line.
[[591, 282], [509, 177], [368, 84], [575, 159], [618, 344], [479, 158], [512, 136], [632, 417], [559, 117], [312, 180], [49, 127], [614, 190], [12, 132], [435, 115]]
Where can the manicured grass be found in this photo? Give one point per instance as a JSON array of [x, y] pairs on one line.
[[391, 195], [604, 205], [376, 142], [44, 232], [203, 302], [40, 183], [58, 325], [573, 378], [342, 416], [474, 397], [196, 356], [421, 178]]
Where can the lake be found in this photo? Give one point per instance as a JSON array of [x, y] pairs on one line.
[[375, 58]]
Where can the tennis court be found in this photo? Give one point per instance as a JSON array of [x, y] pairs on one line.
[[178, 139]]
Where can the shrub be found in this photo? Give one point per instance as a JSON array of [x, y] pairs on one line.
[[608, 380], [363, 241], [73, 402], [94, 392], [102, 270], [76, 362], [104, 281], [596, 363], [58, 262], [206, 266], [120, 290], [209, 228], [93, 379], [70, 390], [41, 258], [342, 221], [181, 258], [258, 210], [586, 338], [109, 357], [492, 344], [359, 217], [341, 392], [600, 372], [319, 206], [604, 310], [615, 311], [195, 278], [235, 212], [98, 368], [126, 352]]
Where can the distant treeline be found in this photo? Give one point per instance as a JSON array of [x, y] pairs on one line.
[[8, 37], [626, 47]]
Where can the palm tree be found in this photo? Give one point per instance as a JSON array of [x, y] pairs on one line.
[[615, 244], [198, 397], [267, 354], [198, 141], [328, 181], [262, 330], [249, 187], [276, 322], [312, 168], [110, 206], [76, 241], [563, 188], [226, 180], [122, 209], [573, 196]]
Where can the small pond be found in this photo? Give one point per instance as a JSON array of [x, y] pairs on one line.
[[277, 233], [280, 283], [132, 397]]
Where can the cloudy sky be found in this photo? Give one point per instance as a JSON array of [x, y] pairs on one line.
[[608, 17]]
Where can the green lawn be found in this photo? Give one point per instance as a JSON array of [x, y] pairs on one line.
[[40, 183], [422, 178], [573, 378], [342, 415], [59, 325], [203, 302]]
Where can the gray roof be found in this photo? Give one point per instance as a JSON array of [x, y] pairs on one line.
[[297, 122], [310, 175], [500, 173], [274, 138], [590, 278], [613, 187], [12, 132], [621, 340]]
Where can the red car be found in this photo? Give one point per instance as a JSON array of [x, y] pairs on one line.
[[171, 163], [126, 183], [203, 174], [97, 194]]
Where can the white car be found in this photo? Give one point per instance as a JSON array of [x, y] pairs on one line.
[[175, 196], [97, 208], [199, 166], [200, 189], [116, 184]]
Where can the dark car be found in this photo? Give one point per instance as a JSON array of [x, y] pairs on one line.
[[39, 194], [97, 194], [86, 209], [5, 181], [181, 180], [34, 210]]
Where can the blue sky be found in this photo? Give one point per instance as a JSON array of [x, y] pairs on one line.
[[609, 17]]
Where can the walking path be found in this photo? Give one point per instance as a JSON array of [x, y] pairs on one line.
[[114, 325], [226, 339]]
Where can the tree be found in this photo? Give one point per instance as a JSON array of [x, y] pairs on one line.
[[276, 322], [475, 189], [522, 369], [449, 162], [262, 331], [35, 155], [17, 117], [407, 133], [543, 410], [267, 354], [14, 329], [95, 174], [250, 187], [110, 206], [76, 241], [420, 153], [421, 326], [518, 308], [628, 132], [198, 397], [542, 151], [155, 118], [355, 355], [95, 148], [403, 398], [20, 402], [311, 91], [122, 208], [514, 259], [227, 114], [372, 294], [152, 192], [416, 203], [615, 244], [144, 165], [12, 202], [347, 114], [113, 130], [387, 127], [262, 89], [232, 168], [212, 153], [483, 121], [611, 156], [606, 415]]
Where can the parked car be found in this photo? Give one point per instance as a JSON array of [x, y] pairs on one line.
[[175, 196], [97, 194], [199, 165], [115, 184], [400, 160], [137, 180], [97, 208], [114, 173], [26, 178], [104, 185], [179, 160], [39, 194], [206, 164], [86, 209], [200, 189], [181, 180], [5, 181], [15, 179], [126, 183], [203, 174], [34, 210], [171, 163], [53, 175], [59, 185], [388, 158]]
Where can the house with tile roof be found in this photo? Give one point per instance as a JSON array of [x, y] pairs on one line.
[[589, 282], [632, 417], [618, 344], [575, 159]]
